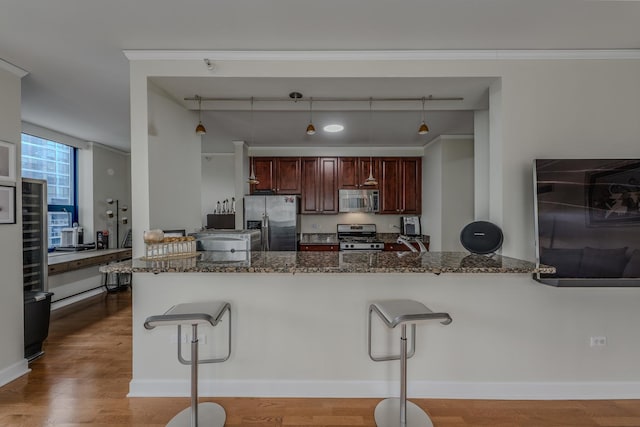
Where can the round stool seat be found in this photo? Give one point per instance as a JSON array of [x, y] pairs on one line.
[[398, 311]]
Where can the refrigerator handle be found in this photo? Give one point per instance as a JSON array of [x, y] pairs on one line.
[[267, 237], [265, 231]]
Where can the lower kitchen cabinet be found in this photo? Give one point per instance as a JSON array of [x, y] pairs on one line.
[[319, 185], [401, 247], [319, 248]]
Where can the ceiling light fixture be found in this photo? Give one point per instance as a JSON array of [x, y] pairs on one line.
[[423, 129], [252, 176], [311, 129], [200, 130], [370, 179], [332, 128]]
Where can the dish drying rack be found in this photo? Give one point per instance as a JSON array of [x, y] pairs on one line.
[[171, 248]]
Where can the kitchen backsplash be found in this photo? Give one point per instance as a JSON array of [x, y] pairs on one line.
[[327, 223]]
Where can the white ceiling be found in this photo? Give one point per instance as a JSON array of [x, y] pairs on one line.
[[78, 81]]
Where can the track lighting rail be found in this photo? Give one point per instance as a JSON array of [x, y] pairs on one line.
[[327, 99]]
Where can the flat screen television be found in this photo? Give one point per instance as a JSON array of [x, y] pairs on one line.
[[587, 214]]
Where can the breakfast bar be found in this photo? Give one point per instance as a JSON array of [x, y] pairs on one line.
[[300, 322]]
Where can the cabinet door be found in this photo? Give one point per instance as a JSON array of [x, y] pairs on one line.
[[328, 195], [411, 185], [390, 185], [364, 171], [288, 175], [319, 177], [310, 187], [265, 171], [348, 173]]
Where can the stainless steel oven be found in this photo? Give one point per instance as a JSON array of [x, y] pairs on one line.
[[359, 237]]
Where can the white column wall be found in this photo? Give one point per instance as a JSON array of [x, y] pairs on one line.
[[174, 166], [538, 108], [12, 361]]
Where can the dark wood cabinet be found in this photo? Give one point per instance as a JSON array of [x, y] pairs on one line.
[[281, 175], [265, 170], [401, 247], [319, 185], [319, 248], [401, 185], [288, 175], [353, 171], [318, 179]]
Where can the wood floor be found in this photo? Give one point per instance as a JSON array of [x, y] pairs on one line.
[[83, 380]]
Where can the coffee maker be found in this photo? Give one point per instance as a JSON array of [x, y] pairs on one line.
[[410, 226]]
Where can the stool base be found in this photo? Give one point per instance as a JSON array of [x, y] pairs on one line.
[[209, 414], [387, 414]]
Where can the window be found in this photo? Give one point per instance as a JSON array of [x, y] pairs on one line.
[[55, 163]]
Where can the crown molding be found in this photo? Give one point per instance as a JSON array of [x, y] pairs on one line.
[[377, 55], [14, 69]]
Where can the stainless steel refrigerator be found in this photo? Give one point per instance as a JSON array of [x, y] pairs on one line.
[[278, 217]]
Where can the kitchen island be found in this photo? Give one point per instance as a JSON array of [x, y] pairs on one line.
[[300, 326]]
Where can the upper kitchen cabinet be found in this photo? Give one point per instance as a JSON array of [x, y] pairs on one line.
[[281, 175], [319, 178], [401, 185], [353, 171]]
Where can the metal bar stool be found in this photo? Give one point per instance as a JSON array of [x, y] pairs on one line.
[[394, 411], [209, 413]]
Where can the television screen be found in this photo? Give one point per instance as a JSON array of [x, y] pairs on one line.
[[588, 221]]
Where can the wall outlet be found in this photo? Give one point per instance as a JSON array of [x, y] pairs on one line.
[[316, 226], [598, 341]]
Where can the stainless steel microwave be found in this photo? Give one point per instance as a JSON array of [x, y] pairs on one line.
[[359, 201]]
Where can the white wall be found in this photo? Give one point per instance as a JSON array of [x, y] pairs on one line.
[[12, 362], [111, 179], [218, 182], [538, 108], [448, 195], [327, 223], [174, 166], [432, 195]]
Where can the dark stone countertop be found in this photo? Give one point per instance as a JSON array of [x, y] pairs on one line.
[[337, 262], [332, 238]]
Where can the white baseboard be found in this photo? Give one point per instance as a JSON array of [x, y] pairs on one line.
[[14, 371], [76, 298], [416, 389]]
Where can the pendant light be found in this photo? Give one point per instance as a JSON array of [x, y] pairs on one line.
[[200, 130], [252, 176], [370, 179], [423, 129], [311, 130]]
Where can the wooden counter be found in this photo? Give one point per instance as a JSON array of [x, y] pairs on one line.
[[69, 261]]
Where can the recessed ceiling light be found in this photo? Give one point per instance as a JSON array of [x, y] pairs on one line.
[[333, 128]]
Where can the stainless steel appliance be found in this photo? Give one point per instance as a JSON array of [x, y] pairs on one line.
[[34, 234], [359, 237], [278, 218], [228, 245], [359, 201], [72, 237], [410, 226], [37, 301]]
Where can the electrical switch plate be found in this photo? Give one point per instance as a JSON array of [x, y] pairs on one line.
[[598, 341]]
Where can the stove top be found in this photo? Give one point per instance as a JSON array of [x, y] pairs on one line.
[[359, 237]]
